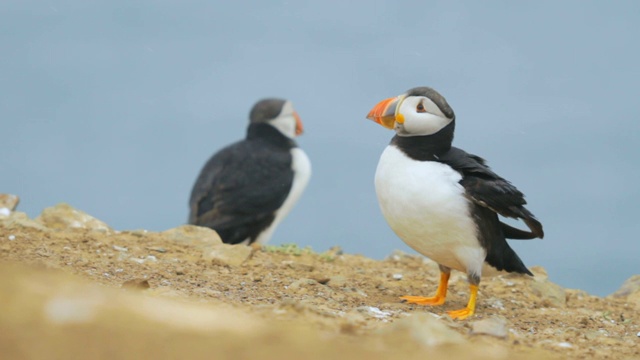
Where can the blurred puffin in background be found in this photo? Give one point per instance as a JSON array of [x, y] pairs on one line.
[[246, 189]]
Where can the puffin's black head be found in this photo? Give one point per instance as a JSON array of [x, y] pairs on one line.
[[418, 112], [278, 113]]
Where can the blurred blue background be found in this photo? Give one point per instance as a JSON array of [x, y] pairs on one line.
[[114, 106]]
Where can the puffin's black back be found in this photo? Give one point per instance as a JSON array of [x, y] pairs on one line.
[[240, 188]]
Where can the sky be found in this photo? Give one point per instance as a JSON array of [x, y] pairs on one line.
[[114, 106]]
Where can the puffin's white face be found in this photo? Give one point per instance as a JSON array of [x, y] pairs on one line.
[[288, 121], [410, 115], [418, 115]]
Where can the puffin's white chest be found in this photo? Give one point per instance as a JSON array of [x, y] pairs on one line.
[[425, 206], [301, 174]]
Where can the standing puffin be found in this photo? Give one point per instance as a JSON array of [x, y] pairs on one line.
[[246, 189], [442, 201]]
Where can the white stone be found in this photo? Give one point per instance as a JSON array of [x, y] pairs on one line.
[[493, 326], [374, 312]]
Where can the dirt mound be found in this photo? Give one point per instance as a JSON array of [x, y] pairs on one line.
[[73, 287]]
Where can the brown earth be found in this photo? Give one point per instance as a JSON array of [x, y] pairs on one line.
[[91, 292]]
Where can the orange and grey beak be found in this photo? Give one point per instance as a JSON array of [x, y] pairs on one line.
[[299, 128], [385, 112]]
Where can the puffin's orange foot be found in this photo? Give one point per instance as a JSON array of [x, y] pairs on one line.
[[460, 314], [471, 306], [421, 300]]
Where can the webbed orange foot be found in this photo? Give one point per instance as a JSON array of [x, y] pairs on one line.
[[421, 300], [461, 314], [471, 306], [441, 294]]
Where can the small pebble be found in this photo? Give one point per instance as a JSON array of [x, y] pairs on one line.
[[136, 284], [638, 334], [374, 312], [565, 345], [12, 237], [120, 248], [397, 276], [497, 304]]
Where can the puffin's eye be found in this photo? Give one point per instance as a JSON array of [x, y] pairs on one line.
[[420, 108]]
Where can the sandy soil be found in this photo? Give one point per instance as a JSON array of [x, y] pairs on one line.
[[292, 301]]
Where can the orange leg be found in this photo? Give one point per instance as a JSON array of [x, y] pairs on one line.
[[471, 306], [441, 293]]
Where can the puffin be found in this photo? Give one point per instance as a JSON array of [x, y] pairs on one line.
[[443, 202], [245, 190]]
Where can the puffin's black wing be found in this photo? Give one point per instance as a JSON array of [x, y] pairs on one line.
[[240, 188], [487, 189]]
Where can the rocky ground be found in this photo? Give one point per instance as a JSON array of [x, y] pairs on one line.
[[74, 288]]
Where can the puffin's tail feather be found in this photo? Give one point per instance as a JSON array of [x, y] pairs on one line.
[[516, 234], [532, 223], [535, 226]]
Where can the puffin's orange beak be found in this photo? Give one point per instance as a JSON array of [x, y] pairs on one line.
[[384, 113], [299, 128]]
